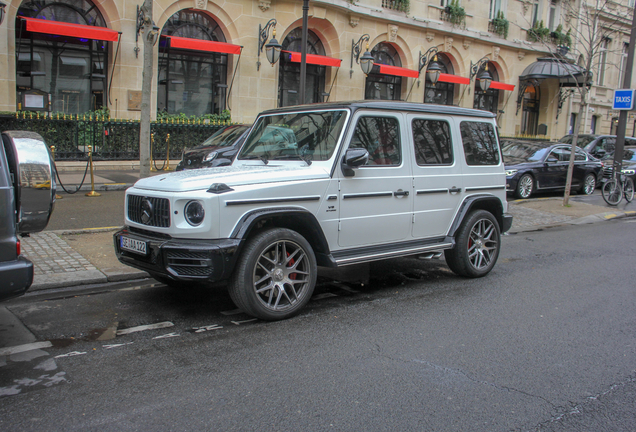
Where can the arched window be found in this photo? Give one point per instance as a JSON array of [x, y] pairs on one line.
[[60, 73], [441, 93], [289, 72], [530, 115], [487, 100], [381, 86], [191, 82]]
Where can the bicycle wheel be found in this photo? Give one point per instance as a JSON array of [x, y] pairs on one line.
[[628, 189], [612, 193]]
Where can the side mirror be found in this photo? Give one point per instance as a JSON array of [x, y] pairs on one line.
[[599, 153], [33, 172], [354, 158], [551, 160]]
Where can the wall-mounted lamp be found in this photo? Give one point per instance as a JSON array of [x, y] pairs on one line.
[[2, 12], [367, 60], [484, 77], [143, 20], [429, 60], [272, 48]]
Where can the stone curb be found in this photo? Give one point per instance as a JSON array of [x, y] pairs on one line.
[[579, 221]]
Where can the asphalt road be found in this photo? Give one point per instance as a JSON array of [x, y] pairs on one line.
[[77, 211], [546, 342]]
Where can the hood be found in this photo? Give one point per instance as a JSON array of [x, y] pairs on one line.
[[191, 180]]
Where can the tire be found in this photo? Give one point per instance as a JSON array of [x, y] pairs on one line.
[[275, 275], [477, 245], [589, 184], [628, 189], [611, 192], [525, 186]]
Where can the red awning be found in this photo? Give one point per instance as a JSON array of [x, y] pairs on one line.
[[314, 59], [203, 45], [67, 29], [398, 71], [455, 79], [501, 86]]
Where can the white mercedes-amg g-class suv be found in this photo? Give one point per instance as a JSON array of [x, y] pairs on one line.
[[325, 185]]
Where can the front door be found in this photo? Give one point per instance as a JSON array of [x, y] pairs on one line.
[[376, 203]]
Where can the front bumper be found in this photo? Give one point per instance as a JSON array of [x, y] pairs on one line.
[[15, 277], [180, 259]]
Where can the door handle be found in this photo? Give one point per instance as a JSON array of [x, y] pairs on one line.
[[401, 193], [455, 189]]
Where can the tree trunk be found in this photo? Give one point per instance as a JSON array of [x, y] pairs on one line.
[[146, 91]]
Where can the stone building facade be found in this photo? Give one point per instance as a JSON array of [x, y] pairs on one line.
[[207, 57]]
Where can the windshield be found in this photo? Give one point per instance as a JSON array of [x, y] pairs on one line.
[[525, 150], [223, 138], [307, 135]]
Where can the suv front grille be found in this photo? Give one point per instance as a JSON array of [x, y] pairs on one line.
[[156, 214]]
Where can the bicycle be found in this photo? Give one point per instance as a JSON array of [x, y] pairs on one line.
[[618, 186]]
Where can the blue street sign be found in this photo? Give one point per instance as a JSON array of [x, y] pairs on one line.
[[623, 99]]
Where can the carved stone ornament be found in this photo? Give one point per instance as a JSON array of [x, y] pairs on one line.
[[466, 43], [392, 31], [200, 4], [526, 7], [353, 21], [495, 53], [521, 55], [264, 5], [448, 44], [430, 37]]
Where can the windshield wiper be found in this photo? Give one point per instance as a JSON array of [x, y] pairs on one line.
[[294, 156], [262, 158]]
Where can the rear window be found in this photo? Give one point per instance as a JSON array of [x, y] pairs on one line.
[[432, 140], [480, 143]]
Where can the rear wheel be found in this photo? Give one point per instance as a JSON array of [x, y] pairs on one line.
[[628, 189], [589, 184], [612, 193], [275, 275], [525, 186], [477, 245]]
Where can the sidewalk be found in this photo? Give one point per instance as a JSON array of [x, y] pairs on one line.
[[77, 257]]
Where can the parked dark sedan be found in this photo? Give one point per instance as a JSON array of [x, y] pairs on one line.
[[218, 150], [597, 145], [629, 163], [535, 166]]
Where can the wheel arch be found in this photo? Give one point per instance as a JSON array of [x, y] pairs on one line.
[[490, 203], [296, 219]]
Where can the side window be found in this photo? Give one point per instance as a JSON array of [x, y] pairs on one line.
[[480, 143], [432, 141], [380, 136], [580, 155], [563, 154]]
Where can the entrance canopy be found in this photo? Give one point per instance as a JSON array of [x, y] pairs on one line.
[[568, 74], [60, 28]]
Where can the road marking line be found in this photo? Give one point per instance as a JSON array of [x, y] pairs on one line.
[[169, 335], [116, 345], [232, 312], [244, 322], [71, 354], [609, 216], [206, 328], [23, 348], [160, 325]]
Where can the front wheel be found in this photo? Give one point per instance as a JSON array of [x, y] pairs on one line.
[[628, 189], [612, 193], [477, 245], [525, 186], [275, 275], [589, 184]]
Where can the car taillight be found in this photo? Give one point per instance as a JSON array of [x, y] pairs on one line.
[[17, 248]]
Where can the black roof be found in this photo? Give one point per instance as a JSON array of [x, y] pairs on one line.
[[386, 105]]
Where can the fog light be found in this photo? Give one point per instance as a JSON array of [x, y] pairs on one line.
[[194, 213]]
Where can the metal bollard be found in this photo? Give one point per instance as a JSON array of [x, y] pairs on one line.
[[152, 144], [92, 193], [53, 157], [168, 154]]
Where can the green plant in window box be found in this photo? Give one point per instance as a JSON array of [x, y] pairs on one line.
[[561, 39], [456, 13], [501, 25], [538, 32]]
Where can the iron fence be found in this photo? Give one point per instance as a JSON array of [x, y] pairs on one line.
[[110, 139]]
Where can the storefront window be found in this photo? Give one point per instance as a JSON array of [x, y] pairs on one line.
[[381, 86], [289, 79], [191, 82], [530, 116], [60, 73]]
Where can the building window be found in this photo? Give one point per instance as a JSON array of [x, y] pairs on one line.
[[602, 61], [534, 13], [381, 86], [441, 93], [623, 64], [614, 126], [191, 82], [593, 125], [289, 72], [67, 71], [487, 100], [530, 115], [572, 123], [495, 7], [553, 15]]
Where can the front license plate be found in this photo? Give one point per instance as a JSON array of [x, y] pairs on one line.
[[133, 245]]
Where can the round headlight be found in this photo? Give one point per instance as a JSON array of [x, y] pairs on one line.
[[210, 156], [194, 213]]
